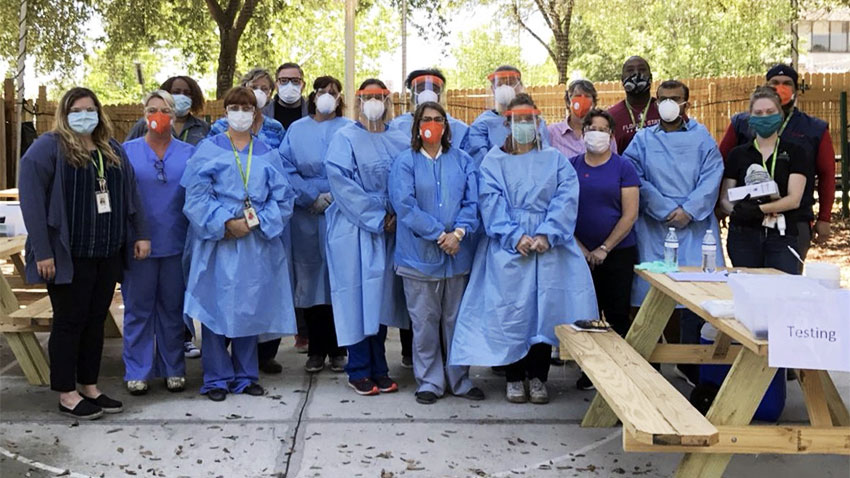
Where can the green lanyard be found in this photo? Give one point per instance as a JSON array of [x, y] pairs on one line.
[[775, 152], [643, 115], [184, 135], [99, 165], [246, 173], [785, 123]]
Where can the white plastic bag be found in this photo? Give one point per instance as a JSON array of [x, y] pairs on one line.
[[761, 298]]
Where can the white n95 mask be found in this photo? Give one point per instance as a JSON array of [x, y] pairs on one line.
[[373, 109]]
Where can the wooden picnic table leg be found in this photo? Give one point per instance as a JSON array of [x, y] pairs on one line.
[[824, 404], [8, 301], [735, 404], [30, 356], [20, 268], [643, 336]]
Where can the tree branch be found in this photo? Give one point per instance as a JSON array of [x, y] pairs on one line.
[[245, 16], [543, 11], [232, 9], [535, 35], [216, 12]]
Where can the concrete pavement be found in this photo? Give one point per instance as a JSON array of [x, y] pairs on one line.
[[315, 426]]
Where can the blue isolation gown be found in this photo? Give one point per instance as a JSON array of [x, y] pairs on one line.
[[303, 152], [432, 197], [680, 168], [238, 287], [365, 291], [489, 130], [458, 128], [513, 302]]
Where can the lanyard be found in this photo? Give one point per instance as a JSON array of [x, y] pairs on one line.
[[185, 134], [784, 124], [643, 115], [246, 173], [775, 152], [99, 166]]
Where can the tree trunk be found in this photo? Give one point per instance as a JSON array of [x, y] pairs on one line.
[[226, 63]]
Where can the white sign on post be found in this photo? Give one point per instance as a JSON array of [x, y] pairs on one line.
[[820, 340]]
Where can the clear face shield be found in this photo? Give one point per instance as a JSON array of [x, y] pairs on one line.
[[374, 107], [425, 88], [505, 86], [524, 122]]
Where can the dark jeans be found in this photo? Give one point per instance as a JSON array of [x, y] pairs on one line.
[[268, 350], [760, 247], [406, 338], [804, 240], [367, 358], [321, 332], [613, 283], [535, 364], [79, 312]]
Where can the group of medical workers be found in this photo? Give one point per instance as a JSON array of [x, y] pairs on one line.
[[286, 218]]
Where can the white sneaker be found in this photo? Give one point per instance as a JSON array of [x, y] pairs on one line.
[[538, 392], [515, 392], [190, 351], [137, 387], [175, 384]]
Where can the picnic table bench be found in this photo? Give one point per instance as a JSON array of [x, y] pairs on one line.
[[657, 418], [19, 325]]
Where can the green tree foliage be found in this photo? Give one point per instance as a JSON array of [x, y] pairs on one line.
[[480, 51], [680, 38], [114, 78], [55, 35]]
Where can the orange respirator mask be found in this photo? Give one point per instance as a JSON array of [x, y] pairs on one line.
[[580, 105], [431, 132], [159, 122], [785, 92]]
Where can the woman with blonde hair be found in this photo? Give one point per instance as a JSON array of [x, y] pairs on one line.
[[153, 289], [81, 209]]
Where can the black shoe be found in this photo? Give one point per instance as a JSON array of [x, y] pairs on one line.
[[217, 394], [584, 383], [385, 384], [474, 393], [426, 398], [254, 390], [499, 370], [407, 361], [105, 403], [315, 363], [85, 410], [271, 366], [364, 386], [338, 363]]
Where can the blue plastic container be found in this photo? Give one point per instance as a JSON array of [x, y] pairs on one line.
[[772, 403]]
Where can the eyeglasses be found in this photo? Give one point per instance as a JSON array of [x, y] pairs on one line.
[[153, 109], [160, 170], [285, 81], [594, 128], [435, 119], [243, 108]]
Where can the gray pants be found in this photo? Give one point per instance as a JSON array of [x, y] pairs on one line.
[[433, 307]]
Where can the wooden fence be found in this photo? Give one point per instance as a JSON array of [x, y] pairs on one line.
[[713, 102]]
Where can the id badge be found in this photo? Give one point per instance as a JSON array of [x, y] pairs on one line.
[[102, 200], [250, 215]]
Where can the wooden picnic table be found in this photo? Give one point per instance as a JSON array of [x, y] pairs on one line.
[[656, 421], [19, 325], [9, 194]]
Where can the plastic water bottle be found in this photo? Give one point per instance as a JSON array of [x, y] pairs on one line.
[[671, 248], [709, 252]]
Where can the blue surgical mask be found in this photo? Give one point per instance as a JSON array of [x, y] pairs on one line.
[[765, 126], [83, 122], [523, 133], [182, 104]]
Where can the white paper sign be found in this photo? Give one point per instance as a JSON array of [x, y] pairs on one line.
[[820, 340]]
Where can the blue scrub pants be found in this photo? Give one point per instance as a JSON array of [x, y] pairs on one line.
[[153, 318], [367, 358], [229, 371]]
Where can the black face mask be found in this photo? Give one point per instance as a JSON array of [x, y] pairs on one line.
[[637, 83]]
